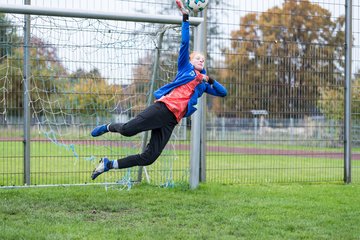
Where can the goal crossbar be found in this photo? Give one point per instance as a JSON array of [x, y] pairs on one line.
[[79, 13]]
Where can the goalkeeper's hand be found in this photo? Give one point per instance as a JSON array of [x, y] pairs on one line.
[[182, 8], [208, 79]]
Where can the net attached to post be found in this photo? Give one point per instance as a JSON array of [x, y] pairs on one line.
[[86, 72]]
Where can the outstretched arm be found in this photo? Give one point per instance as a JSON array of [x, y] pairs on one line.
[[183, 58]]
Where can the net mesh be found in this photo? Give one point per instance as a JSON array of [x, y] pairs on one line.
[[86, 72]]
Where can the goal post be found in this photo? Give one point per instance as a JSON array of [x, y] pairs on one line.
[[197, 151], [199, 40]]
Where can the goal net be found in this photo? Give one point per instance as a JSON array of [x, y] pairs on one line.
[[86, 72]]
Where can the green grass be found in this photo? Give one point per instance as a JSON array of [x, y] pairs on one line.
[[246, 141], [51, 164], [213, 211], [280, 145]]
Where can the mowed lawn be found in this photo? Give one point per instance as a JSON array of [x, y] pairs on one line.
[[54, 164], [212, 211]]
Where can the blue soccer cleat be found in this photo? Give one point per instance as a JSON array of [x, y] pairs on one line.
[[100, 130], [104, 166]]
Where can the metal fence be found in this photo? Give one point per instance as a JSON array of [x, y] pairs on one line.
[[281, 61]]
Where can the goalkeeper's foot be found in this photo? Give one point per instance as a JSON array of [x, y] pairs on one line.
[[100, 130], [104, 165]]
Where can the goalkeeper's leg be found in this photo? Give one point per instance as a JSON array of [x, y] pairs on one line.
[[153, 117], [157, 117], [158, 141]]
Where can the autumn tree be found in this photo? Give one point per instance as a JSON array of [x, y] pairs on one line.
[[279, 60], [332, 100], [45, 78], [53, 90], [88, 93], [7, 37]]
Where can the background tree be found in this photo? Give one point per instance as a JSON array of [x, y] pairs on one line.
[[8, 41], [279, 59], [52, 88], [88, 93], [7, 37], [45, 79], [332, 101]]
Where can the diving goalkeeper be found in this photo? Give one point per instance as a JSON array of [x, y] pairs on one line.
[[174, 101]]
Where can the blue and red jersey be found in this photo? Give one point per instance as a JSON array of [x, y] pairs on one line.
[[186, 73]]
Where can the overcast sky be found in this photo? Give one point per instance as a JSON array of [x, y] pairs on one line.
[[240, 7]]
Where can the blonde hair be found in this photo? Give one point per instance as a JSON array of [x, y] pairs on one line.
[[193, 54]]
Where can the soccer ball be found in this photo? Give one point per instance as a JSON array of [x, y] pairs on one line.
[[196, 5]]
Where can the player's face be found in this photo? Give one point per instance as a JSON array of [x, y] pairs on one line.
[[198, 61]]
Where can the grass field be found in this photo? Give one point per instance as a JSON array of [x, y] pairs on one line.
[[54, 164], [213, 211]]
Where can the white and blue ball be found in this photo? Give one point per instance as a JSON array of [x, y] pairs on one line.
[[196, 5]]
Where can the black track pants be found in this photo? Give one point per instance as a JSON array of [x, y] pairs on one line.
[[157, 118]]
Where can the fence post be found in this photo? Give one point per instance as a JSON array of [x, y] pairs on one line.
[[347, 112], [26, 96]]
